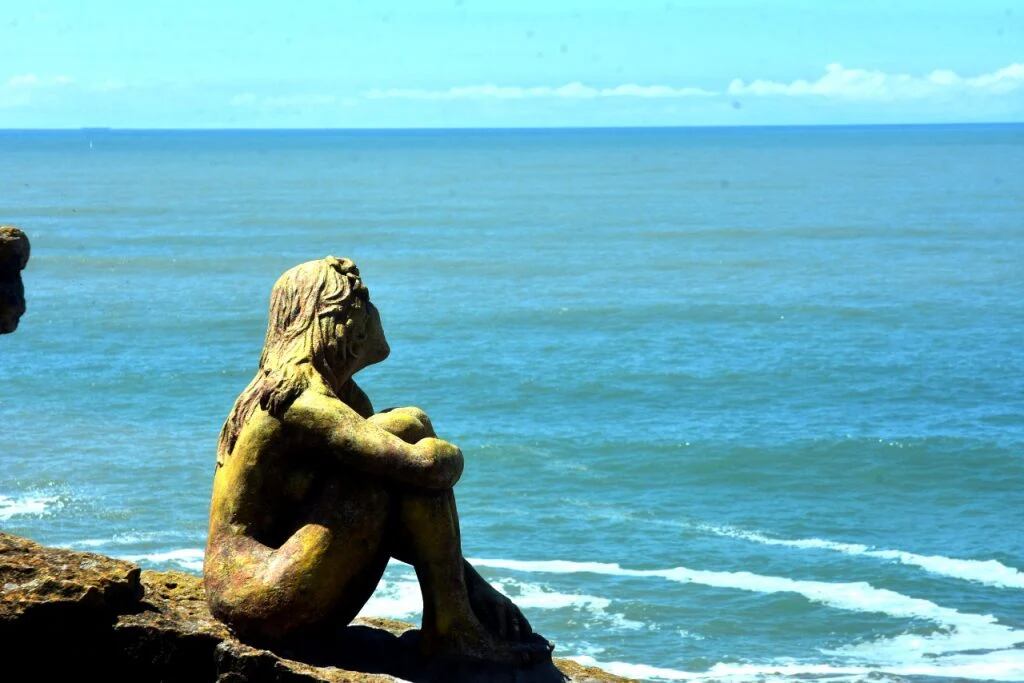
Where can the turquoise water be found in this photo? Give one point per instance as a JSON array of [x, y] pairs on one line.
[[734, 403]]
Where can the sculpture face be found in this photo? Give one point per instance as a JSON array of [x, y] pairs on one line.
[[14, 251], [375, 347]]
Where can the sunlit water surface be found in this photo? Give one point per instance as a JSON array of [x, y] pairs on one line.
[[734, 403]]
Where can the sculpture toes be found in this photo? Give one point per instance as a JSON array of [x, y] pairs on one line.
[[536, 649], [501, 620], [512, 626], [508, 621], [522, 627], [512, 622], [488, 615]]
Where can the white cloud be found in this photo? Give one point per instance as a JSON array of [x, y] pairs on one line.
[[840, 82], [575, 90], [34, 81], [22, 90], [22, 81]]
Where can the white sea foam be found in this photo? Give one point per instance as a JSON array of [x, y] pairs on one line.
[[856, 596], [534, 596], [90, 543], [989, 572], [908, 654], [530, 595], [131, 538], [399, 597], [28, 504], [1007, 666], [635, 671], [189, 558]]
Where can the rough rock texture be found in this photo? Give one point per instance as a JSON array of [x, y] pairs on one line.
[[80, 615]]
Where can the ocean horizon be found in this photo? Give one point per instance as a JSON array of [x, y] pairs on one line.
[[738, 403], [397, 129]]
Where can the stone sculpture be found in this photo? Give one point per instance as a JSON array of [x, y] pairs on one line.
[[14, 251], [313, 492]]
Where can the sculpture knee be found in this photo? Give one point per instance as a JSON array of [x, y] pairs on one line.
[[409, 424]]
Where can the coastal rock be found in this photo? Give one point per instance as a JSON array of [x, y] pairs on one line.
[[65, 613], [39, 583], [14, 253]]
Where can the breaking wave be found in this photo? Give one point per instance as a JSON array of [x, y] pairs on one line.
[[989, 645], [988, 572], [189, 558]]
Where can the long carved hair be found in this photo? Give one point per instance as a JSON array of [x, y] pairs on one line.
[[317, 324]]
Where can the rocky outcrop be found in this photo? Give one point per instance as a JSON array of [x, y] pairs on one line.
[[14, 252], [73, 615]]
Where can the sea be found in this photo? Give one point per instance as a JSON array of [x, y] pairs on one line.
[[736, 404]]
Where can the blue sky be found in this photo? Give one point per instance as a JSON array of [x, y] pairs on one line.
[[393, 63]]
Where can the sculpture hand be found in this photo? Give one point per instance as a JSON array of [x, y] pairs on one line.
[[444, 462]]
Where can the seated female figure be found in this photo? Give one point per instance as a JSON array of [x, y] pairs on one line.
[[314, 492]]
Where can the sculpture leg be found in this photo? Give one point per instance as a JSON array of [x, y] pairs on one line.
[[462, 614], [427, 536], [322, 574]]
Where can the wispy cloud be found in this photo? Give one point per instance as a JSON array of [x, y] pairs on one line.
[[21, 90], [575, 91], [837, 83], [33, 81], [840, 82]]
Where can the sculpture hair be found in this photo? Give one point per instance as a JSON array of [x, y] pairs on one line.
[[317, 322]]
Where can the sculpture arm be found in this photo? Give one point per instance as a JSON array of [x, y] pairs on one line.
[[410, 424], [355, 442]]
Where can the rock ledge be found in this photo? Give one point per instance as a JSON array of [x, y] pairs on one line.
[[68, 614]]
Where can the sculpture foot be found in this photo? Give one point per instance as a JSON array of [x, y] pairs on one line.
[[474, 644], [496, 611]]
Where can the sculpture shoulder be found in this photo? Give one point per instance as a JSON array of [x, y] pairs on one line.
[[318, 411], [261, 430], [320, 420]]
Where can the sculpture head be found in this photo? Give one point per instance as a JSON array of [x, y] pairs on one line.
[[14, 252], [321, 315], [322, 327]]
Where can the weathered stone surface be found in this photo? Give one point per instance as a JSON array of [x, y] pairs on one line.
[[57, 607], [76, 615], [314, 490], [40, 582]]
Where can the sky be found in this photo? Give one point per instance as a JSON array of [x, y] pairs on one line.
[[508, 63]]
